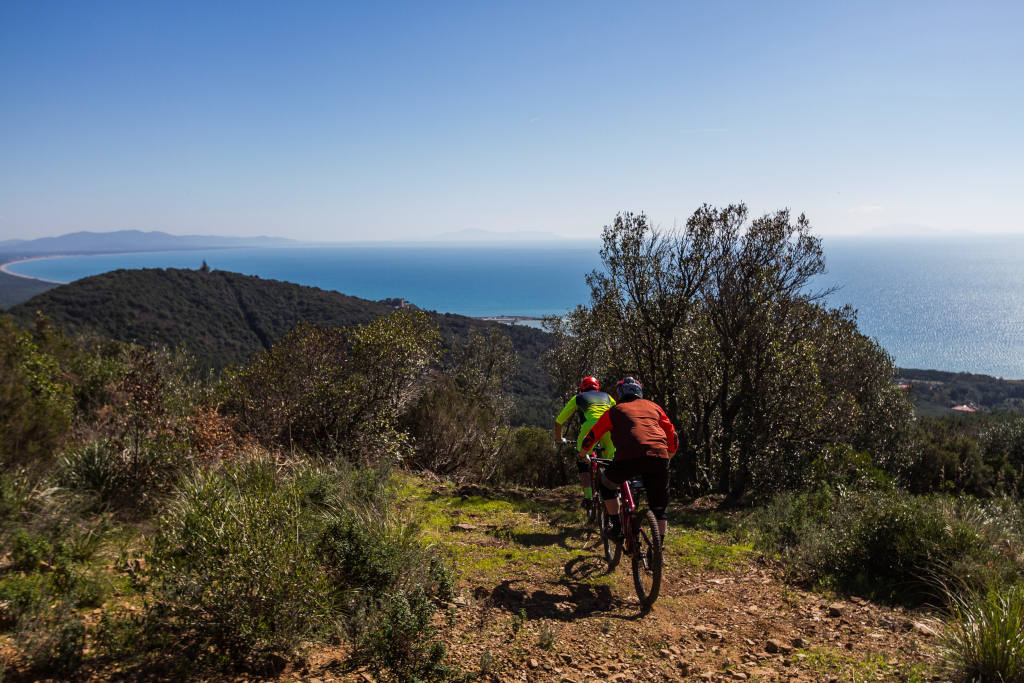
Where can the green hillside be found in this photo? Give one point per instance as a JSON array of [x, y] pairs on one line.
[[936, 392], [223, 317], [14, 290]]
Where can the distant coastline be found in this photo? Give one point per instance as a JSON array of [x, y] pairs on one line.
[[529, 321], [4, 269], [43, 257]]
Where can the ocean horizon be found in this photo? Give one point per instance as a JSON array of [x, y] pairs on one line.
[[954, 304]]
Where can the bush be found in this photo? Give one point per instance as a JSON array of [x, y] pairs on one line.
[[984, 635], [54, 644], [122, 477], [401, 642], [529, 457], [235, 575], [318, 389], [1003, 448], [249, 562], [35, 404], [887, 544], [46, 582]]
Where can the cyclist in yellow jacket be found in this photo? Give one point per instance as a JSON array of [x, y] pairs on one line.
[[591, 403]]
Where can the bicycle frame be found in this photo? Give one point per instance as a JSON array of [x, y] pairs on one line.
[[627, 505], [626, 509]]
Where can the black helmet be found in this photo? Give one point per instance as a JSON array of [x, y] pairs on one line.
[[627, 389]]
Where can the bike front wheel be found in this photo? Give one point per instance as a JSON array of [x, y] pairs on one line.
[[647, 558], [594, 510]]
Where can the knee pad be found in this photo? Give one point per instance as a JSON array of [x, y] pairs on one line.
[[660, 514], [609, 489], [583, 467]]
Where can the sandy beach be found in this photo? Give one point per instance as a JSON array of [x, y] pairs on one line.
[[5, 264]]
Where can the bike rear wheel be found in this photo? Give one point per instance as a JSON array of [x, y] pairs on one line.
[[647, 558], [612, 550]]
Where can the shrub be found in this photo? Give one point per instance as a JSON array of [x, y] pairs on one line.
[[122, 477], [318, 389], [21, 596], [54, 644], [35, 404], [888, 544], [1003, 448], [234, 571], [401, 641], [251, 561], [984, 635], [529, 457], [459, 421]]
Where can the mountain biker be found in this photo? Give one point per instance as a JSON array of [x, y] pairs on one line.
[[591, 403], [645, 442]]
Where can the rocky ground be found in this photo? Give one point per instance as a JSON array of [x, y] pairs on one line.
[[536, 603]]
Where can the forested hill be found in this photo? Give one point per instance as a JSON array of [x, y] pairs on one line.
[[223, 317]]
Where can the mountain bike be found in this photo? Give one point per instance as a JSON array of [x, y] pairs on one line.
[[641, 540], [599, 516]]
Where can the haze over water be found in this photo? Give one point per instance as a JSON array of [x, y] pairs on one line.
[[950, 304]]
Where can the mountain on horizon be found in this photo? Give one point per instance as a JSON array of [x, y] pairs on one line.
[[132, 240]]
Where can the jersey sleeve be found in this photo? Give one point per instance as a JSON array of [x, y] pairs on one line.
[[602, 426], [670, 431], [567, 411]]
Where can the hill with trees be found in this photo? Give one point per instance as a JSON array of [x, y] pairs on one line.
[[936, 393], [14, 289], [222, 318]]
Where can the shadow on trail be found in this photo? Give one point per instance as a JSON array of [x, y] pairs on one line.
[[562, 538], [583, 599]]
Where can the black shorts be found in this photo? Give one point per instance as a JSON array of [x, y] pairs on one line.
[[652, 470]]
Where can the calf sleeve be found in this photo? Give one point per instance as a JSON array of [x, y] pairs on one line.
[[660, 514]]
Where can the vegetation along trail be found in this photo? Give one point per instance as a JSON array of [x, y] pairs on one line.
[[534, 602]]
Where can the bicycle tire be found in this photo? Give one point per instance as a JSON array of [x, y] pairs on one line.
[[648, 559], [594, 511], [612, 550]]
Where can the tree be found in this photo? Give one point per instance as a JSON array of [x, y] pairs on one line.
[[720, 323], [328, 389], [459, 421], [36, 405]]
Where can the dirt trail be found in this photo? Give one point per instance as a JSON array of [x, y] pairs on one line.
[[535, 603]]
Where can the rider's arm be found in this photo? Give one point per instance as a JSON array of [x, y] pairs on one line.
[[670, 431], [600, 428], [563, 416]]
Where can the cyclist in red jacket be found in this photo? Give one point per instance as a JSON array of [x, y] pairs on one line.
[[645, 442]]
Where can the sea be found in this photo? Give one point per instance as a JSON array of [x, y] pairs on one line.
[[950, 303]]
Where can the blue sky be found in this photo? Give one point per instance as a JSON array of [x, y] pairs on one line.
[[335, 121]]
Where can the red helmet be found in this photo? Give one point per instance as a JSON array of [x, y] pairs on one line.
[[588, 383]]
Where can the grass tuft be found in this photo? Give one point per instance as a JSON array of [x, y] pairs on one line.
[[984, 635]]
